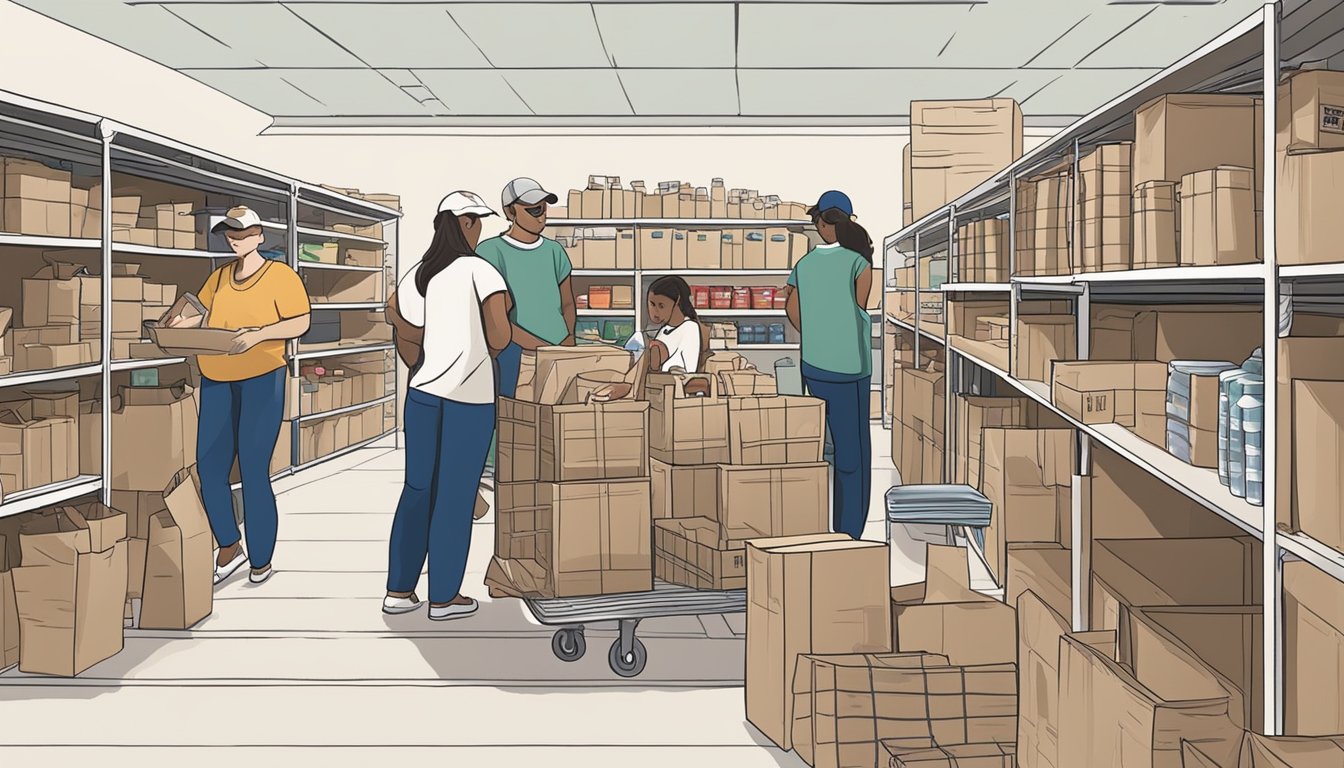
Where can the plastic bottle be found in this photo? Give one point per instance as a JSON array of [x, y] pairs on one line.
[[1252, 407]]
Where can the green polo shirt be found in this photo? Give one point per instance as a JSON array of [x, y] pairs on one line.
[[836, 334], [533, 273]]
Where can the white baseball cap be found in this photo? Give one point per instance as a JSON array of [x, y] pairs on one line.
[[526, 191], [240, 217], [462, 202]]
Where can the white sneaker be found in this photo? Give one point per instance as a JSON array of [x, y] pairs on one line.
[[399, 605], [261, 578], [452, 611], [223, 572]]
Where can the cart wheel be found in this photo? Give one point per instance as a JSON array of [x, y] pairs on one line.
[[568, 644], [628, 665]]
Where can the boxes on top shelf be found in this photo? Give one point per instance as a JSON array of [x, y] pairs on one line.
[[956, 145], [1107, 198], [1311, 111], [1220, 223], [1157, 225], [1183, 133], [1310, 189]]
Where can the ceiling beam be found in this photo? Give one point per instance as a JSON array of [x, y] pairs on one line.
[[397, 124]]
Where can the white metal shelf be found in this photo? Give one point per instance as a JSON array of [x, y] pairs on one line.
[[692, 223], [318, 354], [717, 272], [1320, 555], [138, 364], [27, 378], [18, 502], [743, 313], [626, 273], [337, 267], [1223, 273], [605, 312], [910, 326], [43, 241], [763, 347], [345, 409], [1290, 271], [972, 288], [330, 235], [372, 306], [358, 206], [150, 250]]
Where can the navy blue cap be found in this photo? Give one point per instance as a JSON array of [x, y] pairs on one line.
[[833, 199]]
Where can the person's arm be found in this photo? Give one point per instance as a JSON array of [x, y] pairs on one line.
[[291, 303], [568, 311], [794, 311], [495, 313], [656, 355], [704, 347], [863, 286], [409, 338]]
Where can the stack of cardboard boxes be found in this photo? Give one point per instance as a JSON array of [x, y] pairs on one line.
[[672, 248], [1042, 226], [1107, 194], [954, 146], [982, 247], [605, 198], [727, 469], [39, 439], [921, 423]]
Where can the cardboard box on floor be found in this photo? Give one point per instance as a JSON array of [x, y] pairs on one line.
[[153, 436], [686, 430], [808, 594], [178, 589], [1313, 637], [71, 588], [1028, 479], [847, 704], [1288, 752], [943, 615], [1045, 569], [1039, 629], [960, 756], [1150, 572], [1102, 704], [784, 429]]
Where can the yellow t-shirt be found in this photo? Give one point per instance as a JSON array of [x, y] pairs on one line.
[[274, 293]]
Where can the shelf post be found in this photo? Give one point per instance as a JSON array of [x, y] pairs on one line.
[[292, 256], [107, 132], [1273, 562], [1015, 289], [951, 372], [915, 319]]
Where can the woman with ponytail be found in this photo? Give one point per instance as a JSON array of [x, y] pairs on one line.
[[828, 292], [678, 344], [451, 317]]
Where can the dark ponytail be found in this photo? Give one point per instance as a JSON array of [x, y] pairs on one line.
[[848, 232], [449, 245], [676, 289]]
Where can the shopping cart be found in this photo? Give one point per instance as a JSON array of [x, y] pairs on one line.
[[952, 506], [627, 655]]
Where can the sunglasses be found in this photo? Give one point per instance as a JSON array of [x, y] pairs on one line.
[[536, 210]]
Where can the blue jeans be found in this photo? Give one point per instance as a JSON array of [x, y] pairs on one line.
[[510, 362], [847, 412], [446, 445], [241, 419]]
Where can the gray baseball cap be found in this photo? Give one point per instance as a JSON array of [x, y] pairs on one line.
[[526, 191]]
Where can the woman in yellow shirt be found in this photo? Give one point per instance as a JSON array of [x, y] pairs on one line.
[[243, 392]]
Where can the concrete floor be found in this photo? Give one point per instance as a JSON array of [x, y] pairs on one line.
[[307, 663]]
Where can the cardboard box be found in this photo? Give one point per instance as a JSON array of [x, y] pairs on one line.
[[52, 296], [1218, 222], [1183, 133], [1313, 653], [556, 367], [153, 436], [943, 615], [1301, 358], [684, 491], [1103, 392], [655, 249], [755, 502], [1046, 570], [974, 415], [9, 609], [1028, 479], [848, 704], [1310, 186], [1197, 333], [1318, 444], [1153, 572], [35, 452], [704, 249], [957, 756], [71, 588], [1103, 703], [595, 441], [1287, 752], [332, 286], [1042, 340], [1157, 225], [522, 522], [178, 589], [1039, 630], [1311, 111], [955, 145], [686, 430], [810, 594], [687, 552], [784, 429]]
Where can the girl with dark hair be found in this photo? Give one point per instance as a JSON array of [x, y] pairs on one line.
[[451, 317], [828, 290], [679, 344]]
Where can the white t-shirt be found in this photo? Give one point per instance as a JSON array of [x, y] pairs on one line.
[[456, 363], [683, 346]]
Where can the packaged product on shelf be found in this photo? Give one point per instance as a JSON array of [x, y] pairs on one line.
[[178, 591], [682, 429], [331, 286], [655, 248], [52, 296], [1150, 572], [594, 441], [943, 615], [974, 415], [599, 297], [809, 594], [1311, 117], [1313, 633], [1317, 429], [1039, 630], [357, 257], [1042, 340], [1131, 394], [1182, 133], [153, 436], [34, 198], [1307, 203], [73, 566], [35, 451], [704, 249], [1028, 477], [1107, 198], [1218, 217], [365, 327], [784, 429], [1156, 225], [599, 247], [849, 704], [778, 248]]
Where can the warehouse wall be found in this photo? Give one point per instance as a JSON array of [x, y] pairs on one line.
[[46, 60]]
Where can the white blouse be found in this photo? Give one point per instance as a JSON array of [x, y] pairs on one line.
[[683, 346]]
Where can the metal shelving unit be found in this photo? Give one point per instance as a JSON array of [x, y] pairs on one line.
[[111, 152], [1247, 59]]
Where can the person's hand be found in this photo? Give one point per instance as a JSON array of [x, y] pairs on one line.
[[182, 321], [609, 392], [246, 339]]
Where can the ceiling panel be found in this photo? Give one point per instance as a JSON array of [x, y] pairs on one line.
[[422, 35], [570, 92], [681, 91], [473, 92], [533, 35], [149, 30], [1081, 91], [657, 35], [342, 92], [269, 33], [1085, 32], [868, 92], [265, 90], [841, 35], [1000, 34], [1170, 32]]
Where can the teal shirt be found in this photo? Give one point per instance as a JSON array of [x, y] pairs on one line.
[[533, 276], [837, 333]]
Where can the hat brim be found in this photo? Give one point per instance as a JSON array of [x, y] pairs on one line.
[[534, 196], [479, 210], [233, 224]]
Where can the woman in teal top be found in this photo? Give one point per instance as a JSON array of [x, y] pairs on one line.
[[829, 288]]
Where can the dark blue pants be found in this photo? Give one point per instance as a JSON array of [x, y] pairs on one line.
[[241, 419], [446, 446], [847, 413], [510, 362]]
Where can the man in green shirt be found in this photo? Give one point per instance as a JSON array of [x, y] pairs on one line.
[[536, 270]]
